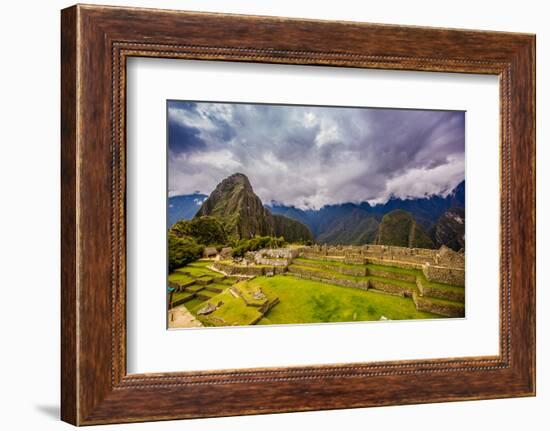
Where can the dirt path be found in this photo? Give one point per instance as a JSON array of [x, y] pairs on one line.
[[180, 317]]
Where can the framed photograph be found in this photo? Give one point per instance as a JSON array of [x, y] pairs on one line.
[[329, 214]]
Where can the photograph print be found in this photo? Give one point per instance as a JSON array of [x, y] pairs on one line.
[[293, 214]]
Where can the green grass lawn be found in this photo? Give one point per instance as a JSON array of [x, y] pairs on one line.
[[306, 301], [176, 296], [218, 285], [402, 283], [208, 293], [436, 285], [198, 269], [179, 277], [414, 272], [194, 288], [194, 303], [234, 312]]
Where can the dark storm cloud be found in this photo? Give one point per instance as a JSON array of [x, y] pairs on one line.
[[313, 156]]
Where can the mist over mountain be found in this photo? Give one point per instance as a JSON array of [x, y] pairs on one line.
[[347, 223], [326, 222]]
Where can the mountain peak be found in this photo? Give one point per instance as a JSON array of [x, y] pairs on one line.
[[244, 215], [236, 178]]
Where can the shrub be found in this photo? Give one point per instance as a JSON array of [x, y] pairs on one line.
[[182, 250], [205, 230], [256, 243]]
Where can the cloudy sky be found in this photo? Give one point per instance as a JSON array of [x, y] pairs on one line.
[[310, 156]]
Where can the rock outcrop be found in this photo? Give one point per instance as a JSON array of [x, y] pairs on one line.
[[241, 210], [244, 216], [449, 230]]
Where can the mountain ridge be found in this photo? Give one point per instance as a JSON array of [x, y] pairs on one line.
[[351, 223], [243, 214]]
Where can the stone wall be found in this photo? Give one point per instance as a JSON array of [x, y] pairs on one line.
[[180, 285], [312, 255], [443, 308], [402, 254], [259, 260], [450, 294], [327, 278], [379, 272], [440, 274], [281, 253], [391, 288], [443, 257], [272, 256], [359, 271], [449, 258], [394, 263], [247, 271], [183, 300], [441, 266]]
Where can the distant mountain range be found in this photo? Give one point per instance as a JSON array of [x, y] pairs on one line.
[[425, 211], [184, 207], [426, 222]]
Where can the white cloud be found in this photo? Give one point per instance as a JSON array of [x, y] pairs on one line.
[[313, 156]]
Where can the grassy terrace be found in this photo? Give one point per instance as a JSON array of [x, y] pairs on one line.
[[228, 262], [442, 286], [202, 280], [441, 301], [295, 298], [180, 278], [193, 304], [306, 261], [233, 312], [194, 288], [329, 273], [177, 296], [321, 266], [395, 269], [405, 284], [198, 269], [356, 278], [307, 301]]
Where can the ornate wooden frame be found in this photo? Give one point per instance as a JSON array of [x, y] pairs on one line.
[[95, 43]]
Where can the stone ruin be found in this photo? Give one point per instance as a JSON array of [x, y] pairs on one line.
[[442, 266], [210, 252], [272, 256]]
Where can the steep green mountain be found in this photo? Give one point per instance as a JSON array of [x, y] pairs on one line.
[[449, 229], [355, 228], [399, 228], [242, 212], [243, 215], [291, 230]]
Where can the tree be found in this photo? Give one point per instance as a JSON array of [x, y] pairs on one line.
[[182, 251], [206, 230]]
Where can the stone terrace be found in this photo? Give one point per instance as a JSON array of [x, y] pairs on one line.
[[433, 279]]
